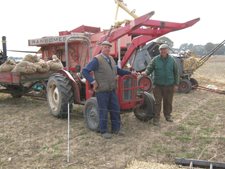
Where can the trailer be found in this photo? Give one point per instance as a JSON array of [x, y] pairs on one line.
[[18, 84]]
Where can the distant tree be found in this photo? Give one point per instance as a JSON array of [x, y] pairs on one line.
[[199, 50], [209, 46], [190, 46], [166, 40], [183, 47], [202, 49], [220, 51]]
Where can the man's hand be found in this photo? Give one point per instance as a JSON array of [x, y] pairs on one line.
[[175, 89], [143, 73], [133, 72], [95, 86]]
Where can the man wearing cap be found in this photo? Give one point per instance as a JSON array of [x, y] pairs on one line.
[[104, 85], [165, 80]]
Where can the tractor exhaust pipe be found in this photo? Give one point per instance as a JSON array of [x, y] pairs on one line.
[[4, 48]]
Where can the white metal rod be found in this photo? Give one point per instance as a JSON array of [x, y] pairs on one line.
[[68, 146]]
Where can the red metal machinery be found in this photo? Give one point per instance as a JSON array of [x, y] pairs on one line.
[[75, 48]]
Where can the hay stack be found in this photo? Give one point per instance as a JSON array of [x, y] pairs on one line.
[[8, 66], [55, 63], [190, 63], [42, 66], [31, 58], [25, 67]]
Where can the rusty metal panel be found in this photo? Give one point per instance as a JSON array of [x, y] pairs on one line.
[[9, 78]]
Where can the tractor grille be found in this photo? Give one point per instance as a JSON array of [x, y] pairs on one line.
[[129, 88]]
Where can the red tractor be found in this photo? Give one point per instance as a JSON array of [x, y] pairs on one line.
[[75, 48]]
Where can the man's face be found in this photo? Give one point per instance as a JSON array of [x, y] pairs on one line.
[[106, 49], [164, 52]]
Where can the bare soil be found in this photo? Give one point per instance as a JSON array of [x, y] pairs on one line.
[[30, 137]]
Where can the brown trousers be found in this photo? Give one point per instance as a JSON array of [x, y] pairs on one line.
[[165, 94]]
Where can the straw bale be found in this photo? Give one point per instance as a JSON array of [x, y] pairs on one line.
[[190, 63], [31, 58], [25, 67], [55, 63], [42, 66], [7, 66]]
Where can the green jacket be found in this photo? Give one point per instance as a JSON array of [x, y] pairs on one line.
[[165, 71]]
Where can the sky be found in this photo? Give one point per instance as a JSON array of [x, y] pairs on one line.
[[29, 19]]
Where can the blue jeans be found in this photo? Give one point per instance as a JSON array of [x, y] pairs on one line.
[[108, 102]]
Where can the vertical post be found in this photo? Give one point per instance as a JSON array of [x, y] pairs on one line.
[[119, 53], [117, 10], [4, 48], [66, 54], [68, 135]]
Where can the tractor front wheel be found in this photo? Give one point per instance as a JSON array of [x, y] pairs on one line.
[[146, 83], [145, 111], [194, 83], [59, 94], [184, 86], [91, 114]]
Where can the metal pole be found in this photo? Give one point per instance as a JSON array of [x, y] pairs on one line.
[[119, 53], [67, 68], [4, 48], [68, 136], [66, 54], [200, 163]]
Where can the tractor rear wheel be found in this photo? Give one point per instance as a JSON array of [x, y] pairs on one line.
[[145, 111], [59, 94], [91, 114], [194, 83], [184, 86]]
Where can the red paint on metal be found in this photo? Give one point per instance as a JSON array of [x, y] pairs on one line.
[[132, 35]]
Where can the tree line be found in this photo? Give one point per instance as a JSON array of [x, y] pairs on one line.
[[197, 49]]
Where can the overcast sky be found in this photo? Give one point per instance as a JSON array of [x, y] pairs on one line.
[[28, 19]]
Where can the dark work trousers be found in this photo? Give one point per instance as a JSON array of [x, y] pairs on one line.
[[108, 103], [165, 94]]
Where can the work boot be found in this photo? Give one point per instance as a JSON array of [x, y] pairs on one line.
[[119, 133], [169, 119], [107, 135], [156, 122]]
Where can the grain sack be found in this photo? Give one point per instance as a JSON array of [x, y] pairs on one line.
[[150, 165], [55, 63], [25, 67], [190, 63], [31, 58], [42, 66], [8, 66]]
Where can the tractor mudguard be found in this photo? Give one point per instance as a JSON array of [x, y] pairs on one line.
[[76, 89]]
